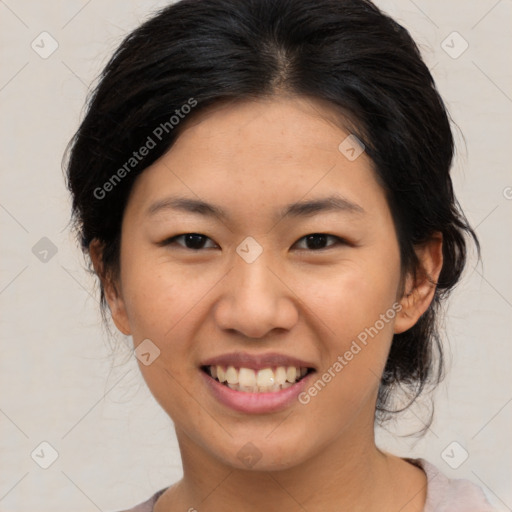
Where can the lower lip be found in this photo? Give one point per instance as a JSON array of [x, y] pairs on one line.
[[255, 403]]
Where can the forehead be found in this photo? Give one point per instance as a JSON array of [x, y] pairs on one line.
[[253, 154], [280, 119]]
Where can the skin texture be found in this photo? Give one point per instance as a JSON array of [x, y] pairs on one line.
[[252, 158]]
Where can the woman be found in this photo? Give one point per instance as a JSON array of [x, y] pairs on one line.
[[263, 189]]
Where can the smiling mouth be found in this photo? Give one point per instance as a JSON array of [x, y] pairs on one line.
[[266, 380]]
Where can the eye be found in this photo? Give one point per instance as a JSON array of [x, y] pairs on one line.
[[196, 241], [317, 241], [193, 241]]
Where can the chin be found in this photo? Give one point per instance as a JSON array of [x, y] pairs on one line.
[[264, 452]]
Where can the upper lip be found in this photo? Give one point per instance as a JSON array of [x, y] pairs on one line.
[[256, 361]]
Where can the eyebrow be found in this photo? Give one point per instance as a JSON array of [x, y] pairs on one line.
[[298, 209]]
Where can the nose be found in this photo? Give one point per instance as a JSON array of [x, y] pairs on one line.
[[255, 299]]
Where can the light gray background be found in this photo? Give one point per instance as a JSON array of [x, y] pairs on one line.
[[59, 383]]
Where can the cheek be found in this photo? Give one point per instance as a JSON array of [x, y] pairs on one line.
[[353, 306], [156, 293], [353, 296], [160, 303]]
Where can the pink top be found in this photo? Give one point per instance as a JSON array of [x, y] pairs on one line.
[[443, 494]]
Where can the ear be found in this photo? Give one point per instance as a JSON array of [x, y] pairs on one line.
[[419, 292], [113, 295]]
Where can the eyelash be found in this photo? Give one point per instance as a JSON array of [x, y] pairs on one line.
[[339, 241]]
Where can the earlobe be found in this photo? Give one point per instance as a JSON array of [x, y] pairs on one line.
[[419, 291], [117, 307], [113, 296]]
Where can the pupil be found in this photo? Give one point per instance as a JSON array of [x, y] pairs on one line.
[[317, 241], [194, 241]]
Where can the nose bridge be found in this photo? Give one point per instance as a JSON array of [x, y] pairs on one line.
[[251, 267], [254, 299], [254, 277]]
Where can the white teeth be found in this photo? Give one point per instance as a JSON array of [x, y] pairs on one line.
[[280, 374], [232, 375], [265, 378], [246, 377], [221, 374], [261, 381], [291, 373]]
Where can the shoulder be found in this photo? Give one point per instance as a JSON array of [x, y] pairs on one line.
[[451, 494], [146, 506]]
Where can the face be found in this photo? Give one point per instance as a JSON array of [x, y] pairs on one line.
[[295, 264]]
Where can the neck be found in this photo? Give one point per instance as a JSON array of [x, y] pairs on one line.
[[350, 473]]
